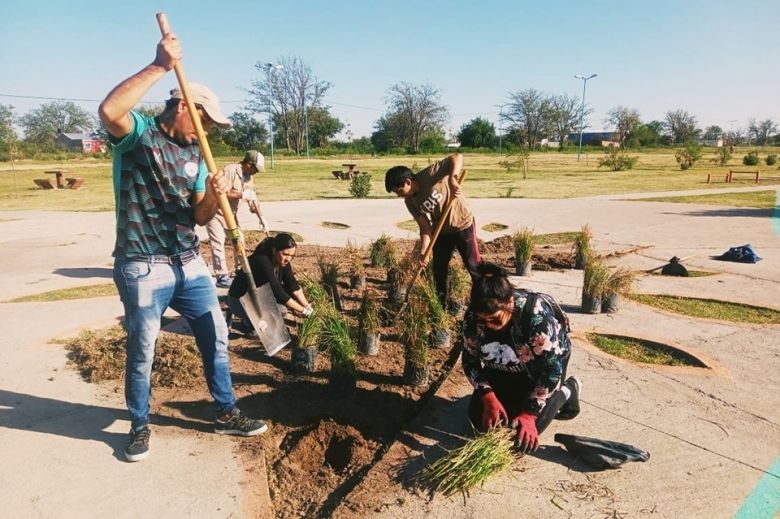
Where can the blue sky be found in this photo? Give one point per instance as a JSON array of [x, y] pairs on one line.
[[717, 59]]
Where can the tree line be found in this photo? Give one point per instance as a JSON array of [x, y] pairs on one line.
[[291, 96]]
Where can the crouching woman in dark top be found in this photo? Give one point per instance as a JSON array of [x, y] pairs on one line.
[[516, 349], [271, 262]]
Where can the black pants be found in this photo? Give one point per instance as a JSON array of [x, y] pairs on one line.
[[466, 243], [514, 390]]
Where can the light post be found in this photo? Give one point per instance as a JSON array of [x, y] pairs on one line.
[[270, 68], [582, 109], [306, 125]]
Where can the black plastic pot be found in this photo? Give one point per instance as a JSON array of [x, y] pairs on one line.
[[369, 343], [415, 376], [523, 268], [396, 293], [357, 281], [579, 261], [341, 384], [303, 360], [440, 338], [333, 294], [610, 303], [590, 304], [456, 307]]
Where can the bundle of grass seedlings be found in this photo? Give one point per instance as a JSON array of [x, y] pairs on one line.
[[471, 465]]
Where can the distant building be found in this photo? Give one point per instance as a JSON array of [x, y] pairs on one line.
[[717, 143], [593, 138], [83, 142]]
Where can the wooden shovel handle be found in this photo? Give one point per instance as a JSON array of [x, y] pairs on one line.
[[222, 200]]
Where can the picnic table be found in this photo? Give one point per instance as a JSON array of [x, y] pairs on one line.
[[60, 173], [350, 168]]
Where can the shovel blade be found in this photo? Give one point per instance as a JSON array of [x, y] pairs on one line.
[[267, 320]]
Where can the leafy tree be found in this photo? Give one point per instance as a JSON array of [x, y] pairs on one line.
[[245, 132], [751, 159], [7, 134], [387, 135], [761, 130], [293, 88], [413, 113], [680, 126], [688, 156], [625, 121], [529, 116], [565, 117], [647, 134], [43, 124], [477, 133], [322, 126], [722, 156], [712, 133]]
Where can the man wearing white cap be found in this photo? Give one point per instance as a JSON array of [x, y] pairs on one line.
[[239, 186], [162, 189]]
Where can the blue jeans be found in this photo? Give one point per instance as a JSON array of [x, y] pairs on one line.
[[147, 290]]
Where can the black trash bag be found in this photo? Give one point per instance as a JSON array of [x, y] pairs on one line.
[[601, 454], [741, 254]]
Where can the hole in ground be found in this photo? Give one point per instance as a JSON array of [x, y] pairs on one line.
[[338, 455], [334, 225]]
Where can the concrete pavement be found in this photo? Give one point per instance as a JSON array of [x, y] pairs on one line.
[[60, 438]]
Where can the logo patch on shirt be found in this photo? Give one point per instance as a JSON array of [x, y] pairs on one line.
[[191, 169]]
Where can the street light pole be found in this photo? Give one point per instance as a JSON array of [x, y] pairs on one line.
[[270, 67], [582, 109], [306, 125]]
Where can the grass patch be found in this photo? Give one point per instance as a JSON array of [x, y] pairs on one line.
[[494, 227], [692, 273], [557, 238], [639, 350], [65, 294], [408, 225], [550, 175], [334, 225], [710, 308], [760, 199], [100, 355]]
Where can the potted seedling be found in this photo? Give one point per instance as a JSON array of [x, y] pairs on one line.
[[594, 284], [304, 352], [336, 339], [383, 252], [398, 276], [440, 321], [316, 294], [619, 283], [582, 246], [368, 324], [459, 289], [415, 331], [524, 241], [357, 272], [329, 275]]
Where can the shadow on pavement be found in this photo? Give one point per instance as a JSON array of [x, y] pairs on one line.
[[84, 272], [75, 420]]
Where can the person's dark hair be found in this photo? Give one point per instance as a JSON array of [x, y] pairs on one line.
[[491, 289], [395, 177], [281, 241]]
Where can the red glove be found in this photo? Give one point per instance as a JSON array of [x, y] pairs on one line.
[[527, 435], [493, 412]]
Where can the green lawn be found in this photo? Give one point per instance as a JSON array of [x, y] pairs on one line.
[[760, 199], [83, 292], [551, 175], [710, 308]]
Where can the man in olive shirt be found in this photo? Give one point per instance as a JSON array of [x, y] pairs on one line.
[[426, 195]]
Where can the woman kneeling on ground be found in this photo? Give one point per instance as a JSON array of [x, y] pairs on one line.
[[271, 262], [516, 349]]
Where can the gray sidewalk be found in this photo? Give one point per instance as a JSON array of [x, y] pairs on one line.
[[61, 437]]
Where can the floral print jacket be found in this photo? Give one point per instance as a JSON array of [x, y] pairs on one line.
[[538, 345]]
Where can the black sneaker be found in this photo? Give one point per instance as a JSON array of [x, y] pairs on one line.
[[138, 444], [571, 408], [239, 425]]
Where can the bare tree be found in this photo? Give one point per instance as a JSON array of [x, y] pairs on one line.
[[625, 121], [529, 115], [761, 130], [413, 112], [293, 88], [680, 126], [565, 117]]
